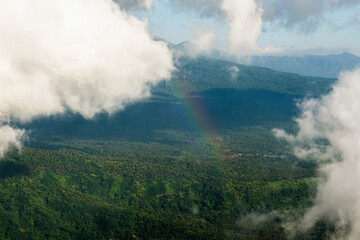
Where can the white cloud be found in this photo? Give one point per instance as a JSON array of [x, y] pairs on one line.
[[334, 119], [9, 137], [86, 56], [203, 44], [244, 19], [234, 72], [245, 22]]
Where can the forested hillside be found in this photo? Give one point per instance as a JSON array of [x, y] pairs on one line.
[[197, 160], [200, 74]]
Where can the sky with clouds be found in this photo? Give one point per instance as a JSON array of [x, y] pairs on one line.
[[263, 26]]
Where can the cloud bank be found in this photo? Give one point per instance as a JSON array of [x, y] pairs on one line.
[[330, 133], [86, 56]]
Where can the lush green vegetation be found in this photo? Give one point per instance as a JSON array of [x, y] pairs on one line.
[[147, 193], [159, 171]]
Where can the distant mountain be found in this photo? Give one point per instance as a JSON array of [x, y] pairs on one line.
[[317, 66], [328, 66]]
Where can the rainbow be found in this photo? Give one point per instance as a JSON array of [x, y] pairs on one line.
[[201, 120]]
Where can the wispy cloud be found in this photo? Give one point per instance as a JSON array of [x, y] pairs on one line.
[[234, 72], [203, 44]]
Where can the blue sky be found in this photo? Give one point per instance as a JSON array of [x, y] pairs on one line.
[[336, 32]]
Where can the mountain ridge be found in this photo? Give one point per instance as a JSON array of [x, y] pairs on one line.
[[312, 65], [328, 66]]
